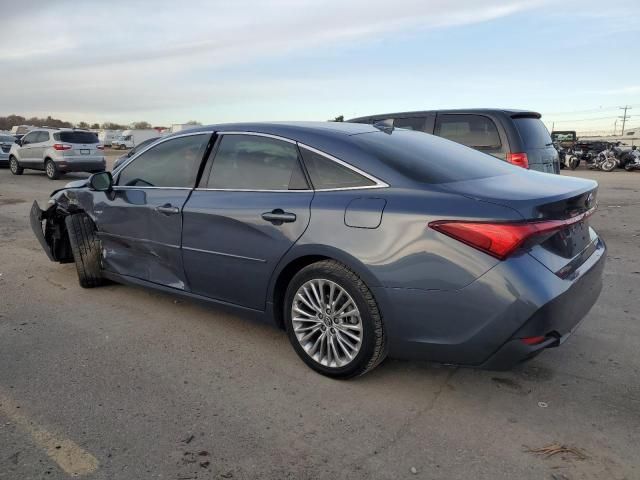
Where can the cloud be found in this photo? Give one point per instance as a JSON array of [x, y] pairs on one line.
[[134, 57]]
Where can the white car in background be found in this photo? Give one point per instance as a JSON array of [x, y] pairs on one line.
[[57, 151]]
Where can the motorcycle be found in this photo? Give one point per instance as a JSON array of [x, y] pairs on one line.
[[633, 162], [605, 160]]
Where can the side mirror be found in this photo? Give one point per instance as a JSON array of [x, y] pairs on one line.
[[101, 182], [18, 141]]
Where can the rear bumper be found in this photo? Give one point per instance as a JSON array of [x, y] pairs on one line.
[[481, 325], [81, 164]]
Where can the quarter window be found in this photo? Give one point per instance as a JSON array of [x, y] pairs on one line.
[[173, 163], [251, 162], [327, 174], [474, 131]]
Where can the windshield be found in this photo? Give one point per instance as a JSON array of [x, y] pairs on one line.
[[429, 159], [533, 132], [76, 137]]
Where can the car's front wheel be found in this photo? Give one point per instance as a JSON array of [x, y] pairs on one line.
[[51, 170], [15, 167], [86, 249], [333, 320]]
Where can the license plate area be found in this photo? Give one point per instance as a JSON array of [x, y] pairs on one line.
[[85, 151]]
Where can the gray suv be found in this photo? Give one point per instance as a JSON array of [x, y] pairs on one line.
[[515, 136], [57, 151]]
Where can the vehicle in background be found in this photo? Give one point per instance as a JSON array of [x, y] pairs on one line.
[[179, 127], [633, 162], [515, 136], [565, 138], [57, 151], [138, 148], [131, 138], [20, 131], [357, 242], [107, 136], [7, 139]]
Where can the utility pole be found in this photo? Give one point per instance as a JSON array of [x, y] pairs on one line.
[[625, 116]]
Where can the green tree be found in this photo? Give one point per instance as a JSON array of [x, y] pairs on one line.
[[141, 125]]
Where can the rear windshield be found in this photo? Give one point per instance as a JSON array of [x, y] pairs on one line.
[[7, 139], [425, 158], [76, 137], [533, 132]]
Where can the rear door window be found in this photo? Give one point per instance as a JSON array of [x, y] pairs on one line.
[[252, 162], [173, 163], [476, 131], [533, 132], [411, 123], [77, 137]]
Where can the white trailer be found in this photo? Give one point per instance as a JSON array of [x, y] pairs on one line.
[[106, 136], [131, 138]]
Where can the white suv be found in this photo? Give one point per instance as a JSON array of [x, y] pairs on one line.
[[57, 151]]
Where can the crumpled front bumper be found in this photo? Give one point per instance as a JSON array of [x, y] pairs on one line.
[[36, 217]]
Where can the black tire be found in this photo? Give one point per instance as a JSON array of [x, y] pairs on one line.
[[51, 170], [373, 348], [15, 167], [574, 162], [86, 249], [608, 165]]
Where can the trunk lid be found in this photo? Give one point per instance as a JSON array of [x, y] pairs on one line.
[[537, 197]]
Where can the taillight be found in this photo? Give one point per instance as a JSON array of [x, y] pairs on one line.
[[100, 147], [533, 340], [519, 159], [501, 239], [61, 146]]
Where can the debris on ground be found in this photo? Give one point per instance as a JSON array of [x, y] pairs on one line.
[[414, 470], [555, 449]]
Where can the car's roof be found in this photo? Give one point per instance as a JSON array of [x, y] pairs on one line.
[[289, 128], [510, 112]]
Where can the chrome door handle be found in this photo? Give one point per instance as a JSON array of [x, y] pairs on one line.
[[168, 209], [279, 216]]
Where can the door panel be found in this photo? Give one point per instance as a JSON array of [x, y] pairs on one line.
[[230, 250], [139, 240]]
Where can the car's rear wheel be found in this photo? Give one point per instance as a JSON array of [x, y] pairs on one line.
[[15, 167], [51, 170], [86, 249], [333, 321]]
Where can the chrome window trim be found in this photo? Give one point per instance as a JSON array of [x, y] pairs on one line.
[[259, 134], [203, 189], [378, 183], [155, 144], [132, 187]]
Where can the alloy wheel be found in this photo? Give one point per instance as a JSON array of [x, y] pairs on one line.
[[327, 323], [13, 165], [50, 169]]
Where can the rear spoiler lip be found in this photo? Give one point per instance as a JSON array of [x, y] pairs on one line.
[[526, 115]]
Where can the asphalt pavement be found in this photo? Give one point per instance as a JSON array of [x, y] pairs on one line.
[[120, 382]]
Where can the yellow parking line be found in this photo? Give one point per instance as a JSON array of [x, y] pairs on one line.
[[69, 456]]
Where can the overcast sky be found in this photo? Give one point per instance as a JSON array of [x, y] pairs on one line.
[[169, 62]]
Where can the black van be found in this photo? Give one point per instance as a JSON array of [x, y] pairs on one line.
[[516, 136]]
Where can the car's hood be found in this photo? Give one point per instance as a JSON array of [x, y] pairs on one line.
[[75, 184]]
